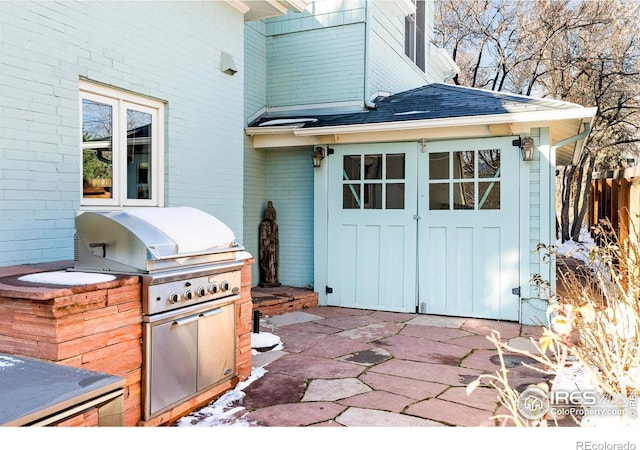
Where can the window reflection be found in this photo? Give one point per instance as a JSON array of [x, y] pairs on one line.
[[97, 149], [373, 167], [463, 164], [489, 163], [489, 194], [395, 167], [373, 196], [138, 155], [351, 196], [439, 166], [470, 166], [351, 167]]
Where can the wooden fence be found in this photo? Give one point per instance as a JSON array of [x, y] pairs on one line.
[[610, 200]]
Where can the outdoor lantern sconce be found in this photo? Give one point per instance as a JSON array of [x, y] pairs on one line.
[[526, 147], [318, 156]]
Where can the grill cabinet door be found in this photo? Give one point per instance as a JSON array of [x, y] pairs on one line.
[[216, 345], [173, 361]]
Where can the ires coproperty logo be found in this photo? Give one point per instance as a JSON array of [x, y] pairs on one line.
[[535, 402]]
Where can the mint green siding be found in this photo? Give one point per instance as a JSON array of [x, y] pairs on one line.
[[290, 187], [166, 50], [316, 66], [390, 70], [255, 161]]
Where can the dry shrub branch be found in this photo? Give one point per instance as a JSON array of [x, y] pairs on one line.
[[592, 335]]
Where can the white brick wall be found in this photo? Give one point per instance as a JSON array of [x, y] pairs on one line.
[[167, 50]]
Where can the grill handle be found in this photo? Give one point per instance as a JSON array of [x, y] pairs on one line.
[[186, 320], [100, 244], [212, 312]]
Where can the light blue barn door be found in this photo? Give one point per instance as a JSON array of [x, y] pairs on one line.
[[468, 228], [372, 230]]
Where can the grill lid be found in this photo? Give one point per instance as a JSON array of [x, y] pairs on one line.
[[145, 239]]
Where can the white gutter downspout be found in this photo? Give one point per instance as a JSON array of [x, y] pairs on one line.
[[367, 35], [570, 139]]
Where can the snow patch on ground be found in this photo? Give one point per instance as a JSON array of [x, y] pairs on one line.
[[227, 410], [264, 340], [578, 250]]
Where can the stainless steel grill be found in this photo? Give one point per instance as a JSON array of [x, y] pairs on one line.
[[189, 263]]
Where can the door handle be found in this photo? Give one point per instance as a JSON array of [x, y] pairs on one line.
[[185, 320], [211, 312]]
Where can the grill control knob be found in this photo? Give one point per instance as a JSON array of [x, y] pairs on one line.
[[213, 288], [224, 286], [173, 298], [188, 294], [201, 291]]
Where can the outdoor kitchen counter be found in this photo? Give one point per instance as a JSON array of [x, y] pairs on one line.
[[35, 392], [98, 327], [95, 327], [12, 287]]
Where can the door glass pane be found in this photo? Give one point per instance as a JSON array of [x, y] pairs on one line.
[[395, 195], [439, 166], [439, 196], [463, 195], [351, 196], [489, 194], [395, 167], [373, 196], [463, 164], [351, 164], [97, 150], [489, 163], [373, 167], [139, 136]]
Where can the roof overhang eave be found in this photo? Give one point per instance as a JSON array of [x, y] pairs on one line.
[[292, 135], [538, 117]]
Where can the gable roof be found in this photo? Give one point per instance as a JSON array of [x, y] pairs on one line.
[[441, 105]]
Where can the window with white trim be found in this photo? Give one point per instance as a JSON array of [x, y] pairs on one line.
[[122, 146], [414, 35]]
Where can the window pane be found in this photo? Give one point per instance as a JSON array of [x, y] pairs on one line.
[[489, 163], [395, 195], [351, 167], [463, 195], [373, 167], [489, 194], [463, 164], [395, 167], [373, 196], [351, 196], [97, 149], [139, 137], [439, 196], [439, 166]]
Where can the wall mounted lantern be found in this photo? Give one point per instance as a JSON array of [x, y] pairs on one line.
[[318, 156], [526, 147]]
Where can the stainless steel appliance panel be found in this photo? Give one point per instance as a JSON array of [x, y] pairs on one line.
[[187, 351], [173, 361], [216, 345]]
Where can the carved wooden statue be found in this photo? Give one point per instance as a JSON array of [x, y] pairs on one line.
[[269, 248]]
